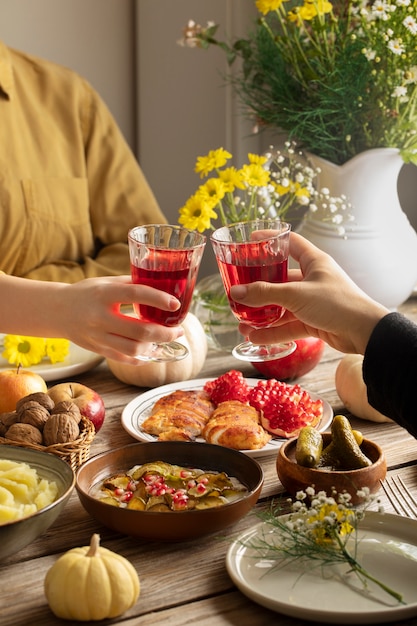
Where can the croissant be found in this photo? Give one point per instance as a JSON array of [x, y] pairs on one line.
[[182, 412], [236, 425]]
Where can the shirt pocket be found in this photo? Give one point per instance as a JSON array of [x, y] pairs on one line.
[[58, 226]]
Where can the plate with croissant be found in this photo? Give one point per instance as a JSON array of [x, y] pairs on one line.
[[256, 425]]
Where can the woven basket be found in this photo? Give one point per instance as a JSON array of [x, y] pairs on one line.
[[75, 453]]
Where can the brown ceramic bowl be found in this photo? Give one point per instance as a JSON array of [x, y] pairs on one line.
[[171, 525], [295, 477], [18, 534]]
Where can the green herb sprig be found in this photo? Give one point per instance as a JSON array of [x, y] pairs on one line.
[[319, 529]]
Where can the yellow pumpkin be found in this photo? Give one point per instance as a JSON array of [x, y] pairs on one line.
[[156, 374], [91, 583], [351, 389]]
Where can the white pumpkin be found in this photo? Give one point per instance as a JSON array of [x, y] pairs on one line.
[[156, 374], [351, 389]]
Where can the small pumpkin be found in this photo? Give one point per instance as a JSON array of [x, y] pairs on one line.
[[155, 374], [351, 389], [91, 583]]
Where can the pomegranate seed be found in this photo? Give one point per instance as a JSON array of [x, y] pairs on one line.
[[191, 484], [126, 496], [119, 491], [201, 488], [185, 474]]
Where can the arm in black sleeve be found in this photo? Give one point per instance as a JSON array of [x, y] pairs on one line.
[[390, 370]]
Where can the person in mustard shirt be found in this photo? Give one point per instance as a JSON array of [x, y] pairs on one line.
[[70, 190], [70, 187]]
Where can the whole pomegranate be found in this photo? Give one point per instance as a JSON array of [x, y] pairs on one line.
[[304, 358]]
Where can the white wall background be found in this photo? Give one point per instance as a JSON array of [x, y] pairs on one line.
[[171, 102]]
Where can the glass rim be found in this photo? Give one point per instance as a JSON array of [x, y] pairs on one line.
[[177, 227], [286, 229]]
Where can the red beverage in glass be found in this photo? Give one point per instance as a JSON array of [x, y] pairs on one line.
[[178, 282], [258, 317], [165, 257], [248, 252]]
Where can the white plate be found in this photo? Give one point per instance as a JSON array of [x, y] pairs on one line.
[[387, 549], [77, 361], [139, 409]]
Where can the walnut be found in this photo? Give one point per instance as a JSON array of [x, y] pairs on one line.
[[6, 420], [60, 428], [67, 406], [25, 433], [40, 397], [33, 413]]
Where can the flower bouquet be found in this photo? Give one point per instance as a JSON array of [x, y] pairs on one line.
[[280, 183], [339, 77]]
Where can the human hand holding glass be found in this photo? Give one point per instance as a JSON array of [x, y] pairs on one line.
[[254, 251], [167, 258]]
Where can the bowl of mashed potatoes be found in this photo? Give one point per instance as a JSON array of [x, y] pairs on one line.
[[34, 489]]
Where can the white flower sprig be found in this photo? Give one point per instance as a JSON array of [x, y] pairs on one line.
[[319, 530]]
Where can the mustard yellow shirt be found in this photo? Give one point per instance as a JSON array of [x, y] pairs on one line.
[[70, 187]]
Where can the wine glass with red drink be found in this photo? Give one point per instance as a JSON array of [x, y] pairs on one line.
[[167, 258], [254, 251]]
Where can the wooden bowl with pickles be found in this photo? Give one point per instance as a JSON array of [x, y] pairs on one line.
[[338, 461]]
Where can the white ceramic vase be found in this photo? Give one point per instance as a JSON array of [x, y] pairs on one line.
[[379, 248]]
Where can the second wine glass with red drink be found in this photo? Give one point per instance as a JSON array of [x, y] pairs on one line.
[[254, 251], [167, 258]]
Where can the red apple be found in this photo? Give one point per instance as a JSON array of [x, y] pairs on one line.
[[16, 384], [89, 402], [304, 358]]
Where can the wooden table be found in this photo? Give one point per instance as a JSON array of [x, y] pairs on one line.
[[185, 583]]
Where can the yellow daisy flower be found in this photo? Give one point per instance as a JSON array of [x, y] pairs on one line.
[[231, 179], [259, 159], [213, 191], [197, 214], [57, 349], [265, 6], [24, 351], [213, 160], [255, 175]]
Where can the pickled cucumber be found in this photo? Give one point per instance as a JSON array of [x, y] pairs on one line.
[[309, 447], [346, 449], [329, 456]]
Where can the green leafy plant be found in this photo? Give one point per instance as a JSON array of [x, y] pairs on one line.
[[339, 77]]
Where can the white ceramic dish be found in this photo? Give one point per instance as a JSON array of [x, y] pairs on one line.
[[138, 409], [76, 362], [387, 549]]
